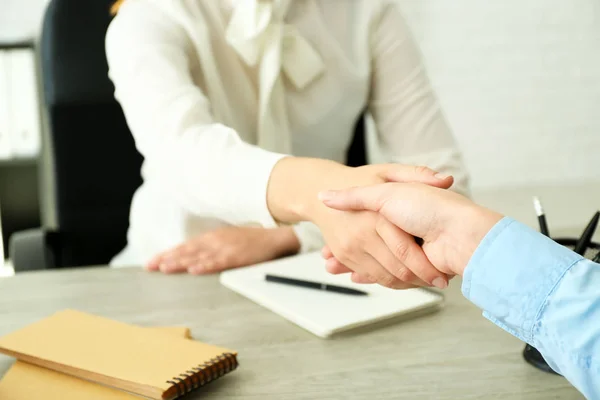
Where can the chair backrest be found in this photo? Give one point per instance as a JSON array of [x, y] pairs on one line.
[[357, 151], [95, 166]]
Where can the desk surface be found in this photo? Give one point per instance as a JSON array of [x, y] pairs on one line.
[[451, 354]]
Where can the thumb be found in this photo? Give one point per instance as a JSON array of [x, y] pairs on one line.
[[417, 174], [359, 198]]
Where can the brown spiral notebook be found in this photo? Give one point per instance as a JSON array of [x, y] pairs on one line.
[[126, 357], [24, 381]]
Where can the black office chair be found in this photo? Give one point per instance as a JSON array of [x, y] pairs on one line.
[[95, 166]]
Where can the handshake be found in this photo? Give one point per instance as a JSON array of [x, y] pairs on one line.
[[402, 229]]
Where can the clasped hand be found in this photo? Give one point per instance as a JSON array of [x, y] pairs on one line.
[[450, 225], [369, 224], [364, 241]]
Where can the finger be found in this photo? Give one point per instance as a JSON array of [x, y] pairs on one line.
[[205, 268], [183, 250], [370, 268], [326, 252], [404, 248], [171, 266], [189, 261], [153, 264], [357, 199], [182, 257], [357, 278], [384, 256], [418, 174], [204, 263], [170, 257], [333, 266]]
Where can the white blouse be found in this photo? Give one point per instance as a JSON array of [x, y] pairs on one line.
[[215, 92]]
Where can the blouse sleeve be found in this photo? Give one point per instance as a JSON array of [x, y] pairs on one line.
[[206, 166], [410, 124]]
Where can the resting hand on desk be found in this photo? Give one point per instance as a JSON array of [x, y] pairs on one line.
[[226, 248], [450, 225]]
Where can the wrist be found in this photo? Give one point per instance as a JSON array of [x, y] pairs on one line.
[[295, 183], [469, 228], [285, 241], [341, 177]]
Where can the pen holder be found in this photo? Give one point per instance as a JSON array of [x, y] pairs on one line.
[[530, 353]]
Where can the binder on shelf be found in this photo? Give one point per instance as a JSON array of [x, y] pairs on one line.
[[25, 134], [5, 108]]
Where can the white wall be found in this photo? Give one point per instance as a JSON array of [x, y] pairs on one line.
[[520, 83], [20, 19]]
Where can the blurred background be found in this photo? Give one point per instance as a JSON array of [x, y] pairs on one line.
[[519, 81]]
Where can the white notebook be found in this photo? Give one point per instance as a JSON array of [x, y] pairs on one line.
[[320, 312]]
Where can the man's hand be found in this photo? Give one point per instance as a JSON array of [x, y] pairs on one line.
[[227, 248], [450, 225]]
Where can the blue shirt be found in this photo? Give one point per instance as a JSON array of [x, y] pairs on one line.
[[542, 293]]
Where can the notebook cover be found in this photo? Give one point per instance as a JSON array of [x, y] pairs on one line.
[[325, 313], [119, 355], [27, 381]]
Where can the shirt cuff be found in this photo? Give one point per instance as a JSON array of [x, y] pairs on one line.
[[511, 274], [309, 236], [253, 187]]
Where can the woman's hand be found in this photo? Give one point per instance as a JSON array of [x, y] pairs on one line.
[[363, 241], [226, 248], [378, 252]]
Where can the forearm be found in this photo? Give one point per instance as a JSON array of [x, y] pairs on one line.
[[542, 293], [567, 334], [295, 183], [285, 241]]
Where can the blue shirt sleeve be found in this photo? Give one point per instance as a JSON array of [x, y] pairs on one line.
[[542, 293]]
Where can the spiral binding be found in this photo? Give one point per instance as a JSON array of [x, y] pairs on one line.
[[204, 373]]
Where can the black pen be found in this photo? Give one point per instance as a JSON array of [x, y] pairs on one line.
[[541, 216], [586, 237], [597, 258], [314, 285]]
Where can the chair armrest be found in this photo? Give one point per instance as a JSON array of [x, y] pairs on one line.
[[32, 250]]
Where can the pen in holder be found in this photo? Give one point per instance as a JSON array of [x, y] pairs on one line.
[[530, 353]]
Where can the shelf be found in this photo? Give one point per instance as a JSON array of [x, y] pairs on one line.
[[19, 162], [16, 45]]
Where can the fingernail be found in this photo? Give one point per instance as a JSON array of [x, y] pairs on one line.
[[167, 265], [441, 176], [196, 270], [326, 195], [440, 283]]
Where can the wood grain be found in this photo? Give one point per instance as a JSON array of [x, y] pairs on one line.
[[452, 354]]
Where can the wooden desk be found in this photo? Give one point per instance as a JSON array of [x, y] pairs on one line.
[[452, 354]]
